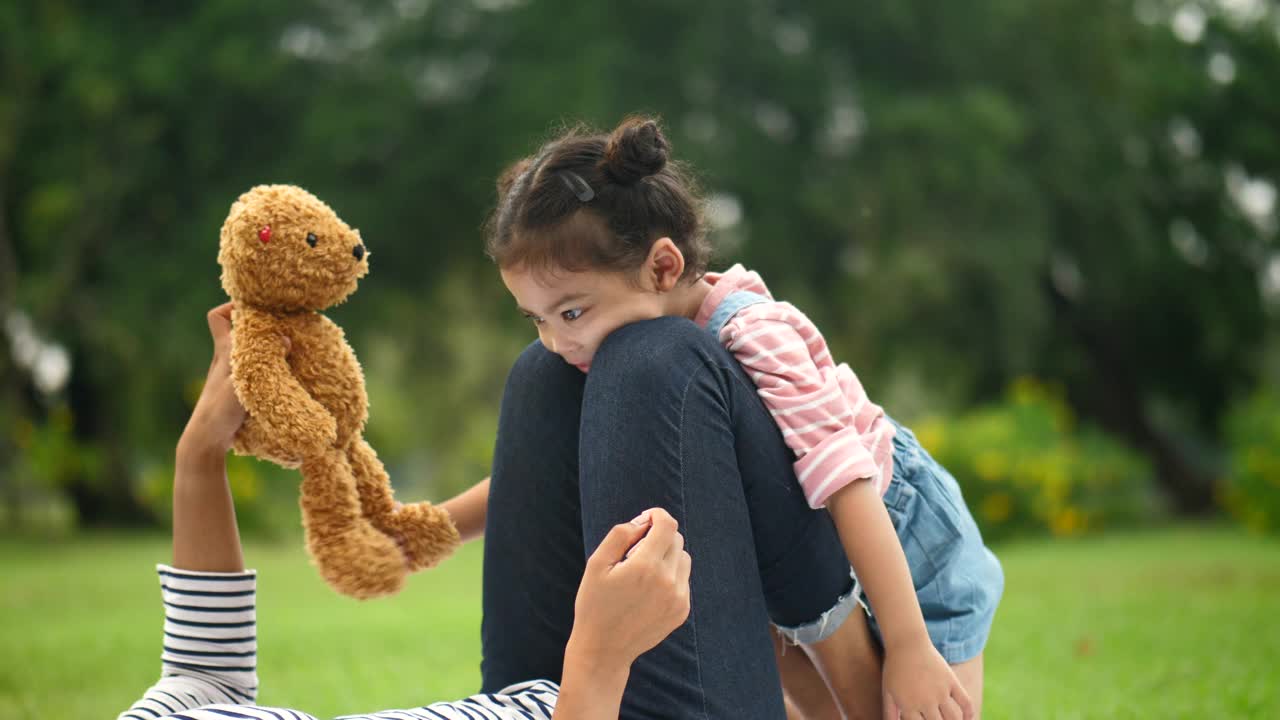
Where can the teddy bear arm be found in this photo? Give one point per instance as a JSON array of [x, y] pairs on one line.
[[298, 420], [271, 393]]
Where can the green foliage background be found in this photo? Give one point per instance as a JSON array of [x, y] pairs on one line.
[[961, 194]]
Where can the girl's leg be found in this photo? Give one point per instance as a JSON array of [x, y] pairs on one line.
[[804, 690], [850, 662], [969, 673]]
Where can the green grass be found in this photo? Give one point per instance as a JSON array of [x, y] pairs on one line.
[[1169, 624], [80, 625]]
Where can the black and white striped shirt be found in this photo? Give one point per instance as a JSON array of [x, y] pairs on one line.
[[209, 663]]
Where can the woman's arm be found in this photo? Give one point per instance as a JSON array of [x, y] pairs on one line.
[[634, 592], [469, 510], [209, 653], [205, 536]]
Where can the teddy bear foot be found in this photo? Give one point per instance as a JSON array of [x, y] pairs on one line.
[[359, 562], [426, 534]]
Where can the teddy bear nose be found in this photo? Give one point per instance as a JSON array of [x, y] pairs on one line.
[[358, 251]]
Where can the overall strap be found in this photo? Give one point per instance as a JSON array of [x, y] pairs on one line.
[[729, 307]]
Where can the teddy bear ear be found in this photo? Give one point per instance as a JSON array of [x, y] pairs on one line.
[[241, 206]]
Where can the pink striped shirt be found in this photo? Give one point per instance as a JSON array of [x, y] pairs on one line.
[[837, 433]]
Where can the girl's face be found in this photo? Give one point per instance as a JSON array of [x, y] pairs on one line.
[[575, 311]]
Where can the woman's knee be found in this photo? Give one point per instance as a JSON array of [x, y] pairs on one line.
[[536, 363], [654, 349], [542, 393], [539, 376]]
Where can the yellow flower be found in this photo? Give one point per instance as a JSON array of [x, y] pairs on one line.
[[1068, 521], [930, 433], [1025, 390], [997, 507], [990, 465]]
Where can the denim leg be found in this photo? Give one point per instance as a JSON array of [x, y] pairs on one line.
[[668, 419], [534, 550], [533, 553]]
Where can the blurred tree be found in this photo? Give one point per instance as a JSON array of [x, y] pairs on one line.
[[959, 193], [124, 128]]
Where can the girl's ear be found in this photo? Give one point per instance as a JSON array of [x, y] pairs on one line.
[[664, 266]]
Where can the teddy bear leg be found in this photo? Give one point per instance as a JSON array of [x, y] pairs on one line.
[[426, 533], [353, 556], [254, 440]]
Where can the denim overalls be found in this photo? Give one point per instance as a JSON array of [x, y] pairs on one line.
[[958, 581]]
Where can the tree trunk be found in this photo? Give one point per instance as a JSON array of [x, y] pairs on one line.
[[1113, 397]]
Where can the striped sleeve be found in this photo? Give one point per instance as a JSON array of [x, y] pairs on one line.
[[825, 416], [210, 644]]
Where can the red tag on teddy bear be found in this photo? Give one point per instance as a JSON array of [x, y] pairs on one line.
[[265, 233]]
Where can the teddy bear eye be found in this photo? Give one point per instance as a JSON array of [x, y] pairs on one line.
[[312, 239]]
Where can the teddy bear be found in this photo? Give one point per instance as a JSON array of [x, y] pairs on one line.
[[286, 257]]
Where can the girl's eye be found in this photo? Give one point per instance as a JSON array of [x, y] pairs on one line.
[[571, 315], [312, 239], [536, 320]]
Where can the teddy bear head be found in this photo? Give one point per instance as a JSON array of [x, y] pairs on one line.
[[284, 250]]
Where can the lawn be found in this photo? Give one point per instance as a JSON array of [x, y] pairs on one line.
[[1169, 624]]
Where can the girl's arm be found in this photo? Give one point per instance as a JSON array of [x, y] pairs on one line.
[[876, 555], [916, 679], [469, 510], [830, 423]]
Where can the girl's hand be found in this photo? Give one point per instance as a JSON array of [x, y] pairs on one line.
[[634, 592], [918, 683]]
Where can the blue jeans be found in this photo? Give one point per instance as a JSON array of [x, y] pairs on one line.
[[665, 418]]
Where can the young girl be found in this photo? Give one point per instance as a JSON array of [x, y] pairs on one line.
[[596, 232]]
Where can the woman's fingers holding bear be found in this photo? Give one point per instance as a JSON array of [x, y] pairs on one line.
[[220, 324], [220, 328]]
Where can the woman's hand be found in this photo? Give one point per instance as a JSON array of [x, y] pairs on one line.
[[205, 535], [919, 683], [634, 592], [218, 414]]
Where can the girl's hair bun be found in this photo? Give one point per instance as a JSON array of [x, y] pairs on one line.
[[636, 149], [510, 175]]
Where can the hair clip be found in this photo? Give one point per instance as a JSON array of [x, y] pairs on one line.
[[576, 185]]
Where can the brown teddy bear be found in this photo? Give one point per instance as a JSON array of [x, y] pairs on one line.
[[286, 256]]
